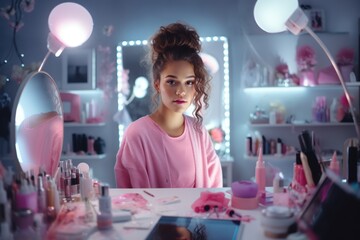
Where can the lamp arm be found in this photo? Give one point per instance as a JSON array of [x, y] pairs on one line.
[[347, 95], [131, 98], [43, 62]]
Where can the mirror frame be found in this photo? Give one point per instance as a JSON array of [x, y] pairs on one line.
[[13, 126], [225, 123]]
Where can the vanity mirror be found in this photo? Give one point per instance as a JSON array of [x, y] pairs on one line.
[[37, 124], [131, 65]]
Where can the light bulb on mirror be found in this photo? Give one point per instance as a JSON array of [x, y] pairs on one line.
[[140, 88]]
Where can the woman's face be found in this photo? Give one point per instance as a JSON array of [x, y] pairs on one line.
[[176, 86]]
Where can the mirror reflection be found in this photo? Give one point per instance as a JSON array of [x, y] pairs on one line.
[[38, 130], [132, 66]]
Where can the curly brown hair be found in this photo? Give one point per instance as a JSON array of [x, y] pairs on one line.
[[175, 42]]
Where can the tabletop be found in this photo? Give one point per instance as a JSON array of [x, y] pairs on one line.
[[146, 215]]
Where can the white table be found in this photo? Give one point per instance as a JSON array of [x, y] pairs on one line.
[[252, 229]]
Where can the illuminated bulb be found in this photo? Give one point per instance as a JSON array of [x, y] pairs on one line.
[[141, 85], [271, 15], [71, 24]]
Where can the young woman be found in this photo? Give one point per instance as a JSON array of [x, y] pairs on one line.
[[168, 148]]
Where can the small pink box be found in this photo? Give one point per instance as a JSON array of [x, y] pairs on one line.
[[244, 203]]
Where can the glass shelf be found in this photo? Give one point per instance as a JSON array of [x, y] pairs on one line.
[[285, 125], [272, 158], [83, 157], [317, 87], [72, 124]]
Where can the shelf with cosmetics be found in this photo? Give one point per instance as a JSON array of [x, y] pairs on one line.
[[84, 125]]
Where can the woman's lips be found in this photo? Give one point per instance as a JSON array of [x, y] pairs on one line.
[[179, 101]]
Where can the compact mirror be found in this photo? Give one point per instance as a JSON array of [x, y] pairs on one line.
[[37, 128]]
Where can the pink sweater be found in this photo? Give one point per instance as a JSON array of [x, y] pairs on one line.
[[142, 162]]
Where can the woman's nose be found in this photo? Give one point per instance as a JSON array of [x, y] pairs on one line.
[[180, 92]]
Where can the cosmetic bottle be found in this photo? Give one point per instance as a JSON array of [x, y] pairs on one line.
[[26, 197], [280, 196], [86, 187], [24, 219], [56, 196], [41, 195], [352, 152], [249, 146], [67, 185], [260, 172], [299, 174], [334, 164], [104, 218], [5, 217], [279, 147]]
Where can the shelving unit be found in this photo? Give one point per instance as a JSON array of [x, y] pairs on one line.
[[90, 129]]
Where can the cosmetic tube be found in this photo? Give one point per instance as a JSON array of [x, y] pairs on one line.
[[260, 173], [334, 164], [104, 218]]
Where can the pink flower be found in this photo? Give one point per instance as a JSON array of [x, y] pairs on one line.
[[345, 57], [28, 5], [282, 68], [217, 134], [344, 102], [305, 58]]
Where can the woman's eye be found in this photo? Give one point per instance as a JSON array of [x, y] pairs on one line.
[[190, 83], [170, 82]]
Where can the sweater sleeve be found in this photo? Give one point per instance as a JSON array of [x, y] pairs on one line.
[[213, 163], [130, 167]]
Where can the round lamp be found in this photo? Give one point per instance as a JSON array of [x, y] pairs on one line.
[[70, 23], [271, 15]]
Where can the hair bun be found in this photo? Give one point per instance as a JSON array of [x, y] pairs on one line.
[[175, 35]]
